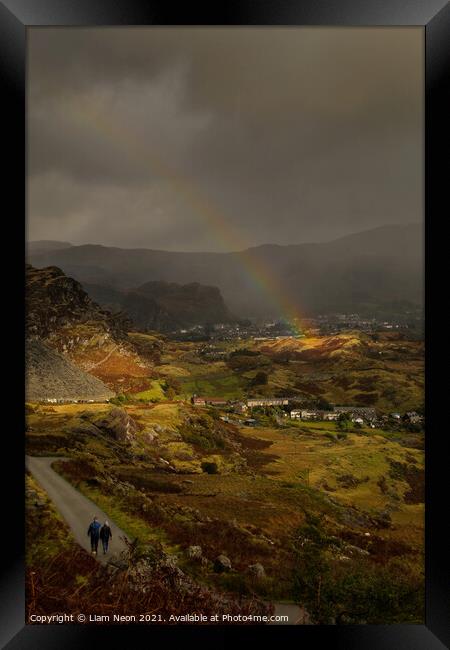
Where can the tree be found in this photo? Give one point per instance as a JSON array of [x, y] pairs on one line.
[[324, 405], [344, 420], [260, 379]]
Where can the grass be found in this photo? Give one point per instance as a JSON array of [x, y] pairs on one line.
[[46, 532], [305, 453], [155, 392], [220, 384]]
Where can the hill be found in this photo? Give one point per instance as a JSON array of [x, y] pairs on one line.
[[367, 271], [164, 306], [46, 245], [61, 314]]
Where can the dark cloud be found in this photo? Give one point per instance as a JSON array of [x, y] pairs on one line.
[[218, 138]]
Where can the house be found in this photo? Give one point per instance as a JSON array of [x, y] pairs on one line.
[[414, 417], [330, 415], [358, 421], [273, 401], [307, 414], [396, 416], [241, 408], [208, 401], [216, 401], [366, 413]]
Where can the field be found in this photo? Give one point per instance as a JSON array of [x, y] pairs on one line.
[[175, 476]]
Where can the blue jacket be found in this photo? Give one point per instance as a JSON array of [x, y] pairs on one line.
[[94, 529]]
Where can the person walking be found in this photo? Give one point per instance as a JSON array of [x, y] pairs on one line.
[[94, 534], [105, 536]]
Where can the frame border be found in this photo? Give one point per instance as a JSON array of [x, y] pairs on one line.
[[434, 15]]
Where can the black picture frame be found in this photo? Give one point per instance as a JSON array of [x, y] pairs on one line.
[[15, 17]]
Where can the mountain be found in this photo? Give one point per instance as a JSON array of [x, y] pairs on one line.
[[60, 314], [364, 271], [164, 306], [46, 246]]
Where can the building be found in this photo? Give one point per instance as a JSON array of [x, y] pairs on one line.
[[208, 401], [414, 417], [307, 414], [240, 407], [273, 401], [365, 413], [330, 415]]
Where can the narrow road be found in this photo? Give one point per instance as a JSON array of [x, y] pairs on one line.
[[77, 510]]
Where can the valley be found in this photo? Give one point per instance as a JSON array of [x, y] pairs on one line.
[[204, 482]]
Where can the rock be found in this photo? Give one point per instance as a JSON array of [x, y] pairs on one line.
[[222, 564], [256, 571], [119, 425], [349, 548], [194, 552]]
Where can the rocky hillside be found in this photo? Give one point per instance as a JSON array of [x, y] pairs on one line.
[[164, 306], [50, 375], [60, 313], [56, 302]]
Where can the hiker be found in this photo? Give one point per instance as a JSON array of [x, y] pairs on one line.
[[105, 535], [94, 533]]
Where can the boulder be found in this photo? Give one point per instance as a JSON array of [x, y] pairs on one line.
[[256, 571], [119, 425], [222, 564], [194, 552]]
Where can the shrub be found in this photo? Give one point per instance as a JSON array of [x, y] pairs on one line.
[[210, 468], [358, 591]]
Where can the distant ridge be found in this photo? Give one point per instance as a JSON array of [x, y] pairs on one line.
[[358, 272]]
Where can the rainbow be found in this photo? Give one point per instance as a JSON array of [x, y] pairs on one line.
[[227, 235]]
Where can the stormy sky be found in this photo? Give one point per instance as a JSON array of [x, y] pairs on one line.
[[215, 139]]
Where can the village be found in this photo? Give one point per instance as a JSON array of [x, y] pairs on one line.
[[314, 325], [358, 415]]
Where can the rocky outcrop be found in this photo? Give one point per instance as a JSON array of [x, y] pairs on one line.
[[54, 302], [222, 564], [60, 313], [164, 306], [119, 425], [256, 571]]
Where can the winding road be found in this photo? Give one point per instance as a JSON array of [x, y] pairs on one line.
[[77, 510]]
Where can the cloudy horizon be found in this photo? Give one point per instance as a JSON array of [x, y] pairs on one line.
[[217, 139]]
